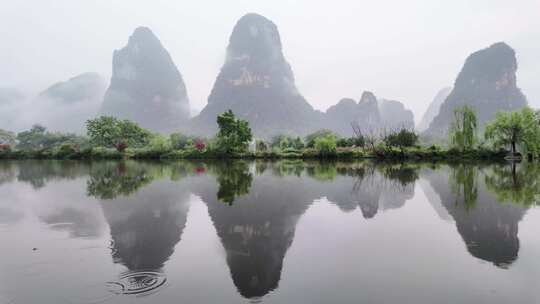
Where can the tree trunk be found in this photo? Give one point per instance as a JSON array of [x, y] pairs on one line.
[[513, 148]]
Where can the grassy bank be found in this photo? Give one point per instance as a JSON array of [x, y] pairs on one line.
[[413, 153]]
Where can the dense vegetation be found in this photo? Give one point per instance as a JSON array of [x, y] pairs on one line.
[[514, 134]]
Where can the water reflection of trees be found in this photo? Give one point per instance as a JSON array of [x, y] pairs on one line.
[[518, 184], [234, 180], [108, 180], [39, 173], [464, 185]]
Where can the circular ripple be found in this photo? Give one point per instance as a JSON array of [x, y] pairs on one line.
[[135, 283]]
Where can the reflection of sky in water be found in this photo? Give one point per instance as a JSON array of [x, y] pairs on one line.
[[288, 239]]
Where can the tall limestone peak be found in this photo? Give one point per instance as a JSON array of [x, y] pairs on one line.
[[146, 86], [488, 83], [257, 84], [433, 108]]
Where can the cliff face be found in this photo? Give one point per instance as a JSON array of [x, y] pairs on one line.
[[257, 84], [146, 86], [487, 82], [433, 109]]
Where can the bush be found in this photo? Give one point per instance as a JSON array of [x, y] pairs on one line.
[[326, 146], [67, 151], [311, 138]]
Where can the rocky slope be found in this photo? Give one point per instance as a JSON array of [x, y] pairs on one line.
[[257, 84], [488, 83], [433, 109], [146, 86]]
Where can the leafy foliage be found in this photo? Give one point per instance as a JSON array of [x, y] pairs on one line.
[[401, 139], [326, 145], [110, 132], [39, 138], [7, 138], [464, 128], [311, 138], [518, 128], [234, 134]]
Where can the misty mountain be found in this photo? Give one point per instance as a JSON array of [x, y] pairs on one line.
[[257, 84], [394, 115], [433, 109], [146, 86], [71, 103], [487, 82], [369, 113]]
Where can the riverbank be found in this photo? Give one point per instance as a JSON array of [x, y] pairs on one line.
[[416, 153]]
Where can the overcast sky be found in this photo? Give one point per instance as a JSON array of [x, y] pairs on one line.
[[403, 50]]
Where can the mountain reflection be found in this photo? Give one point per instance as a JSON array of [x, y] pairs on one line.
[[258, 228], [487, 224], [372, 187], [255, 207], [146, 219]]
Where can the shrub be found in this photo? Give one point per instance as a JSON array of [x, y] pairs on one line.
[[326, 146], [311, 138]]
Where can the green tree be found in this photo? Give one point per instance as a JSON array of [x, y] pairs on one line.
[[518, 128], [326, 145], [298, 143], [7, 138], [234, 134], [401, 139], [39, 138], [311, 138], [464, 128], [179, 141], [261, 146], [110, 132]]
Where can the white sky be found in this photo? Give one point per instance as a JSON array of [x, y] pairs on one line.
[[403, 50]]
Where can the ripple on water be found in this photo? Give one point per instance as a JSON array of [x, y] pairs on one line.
[[138, 283]]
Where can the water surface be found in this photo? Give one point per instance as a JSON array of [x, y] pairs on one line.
[[268, 232]]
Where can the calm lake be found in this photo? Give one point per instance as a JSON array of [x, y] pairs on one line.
[[268, 232]]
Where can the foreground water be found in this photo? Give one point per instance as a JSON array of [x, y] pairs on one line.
[[282, 232]]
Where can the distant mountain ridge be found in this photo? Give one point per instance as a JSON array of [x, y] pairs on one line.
[[370, 114]]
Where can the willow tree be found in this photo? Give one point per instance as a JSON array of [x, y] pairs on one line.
[[518, 128], [464, 128]]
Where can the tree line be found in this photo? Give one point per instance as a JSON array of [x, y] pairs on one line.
[[110, 137]]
